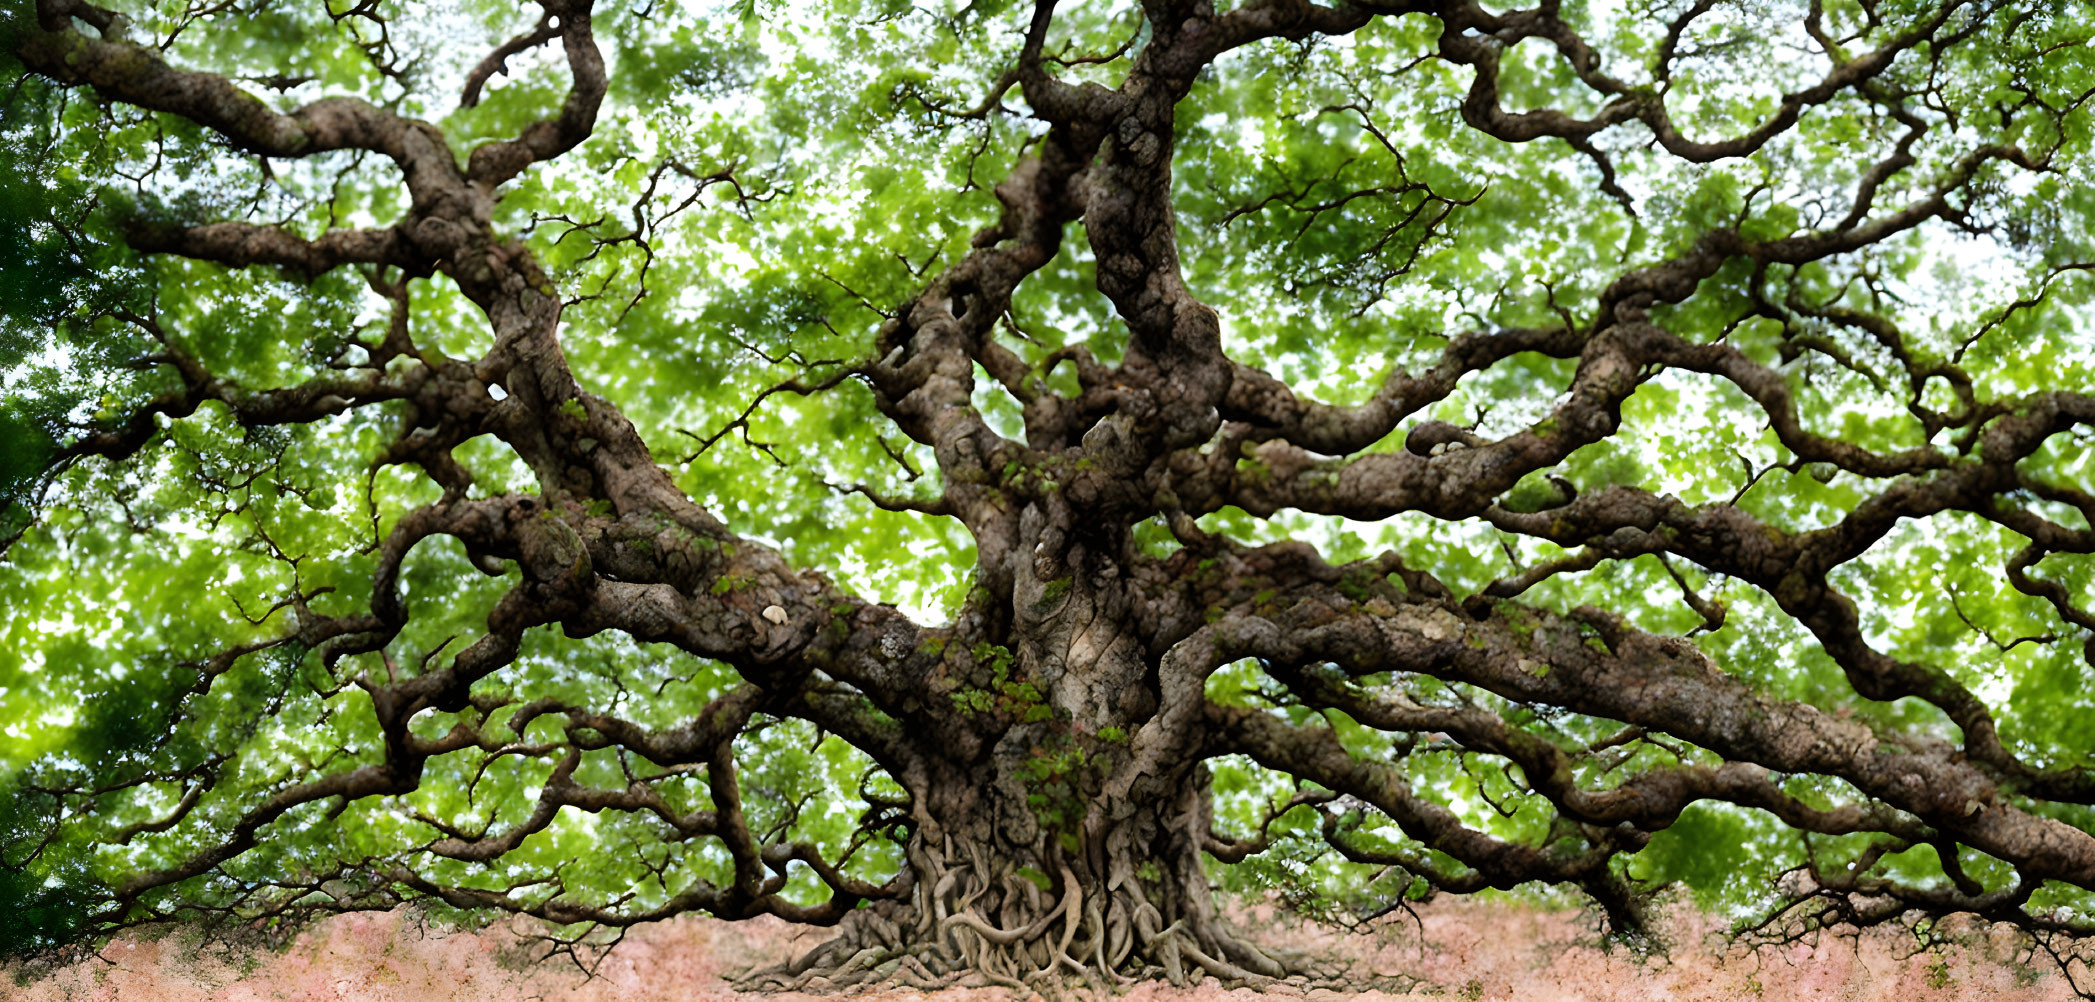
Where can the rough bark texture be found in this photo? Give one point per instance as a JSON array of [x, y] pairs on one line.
[[1058, 727]]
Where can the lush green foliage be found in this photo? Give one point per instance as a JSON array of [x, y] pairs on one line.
[[767, 182]]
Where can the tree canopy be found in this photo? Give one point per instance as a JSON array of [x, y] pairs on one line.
[[989, 476]]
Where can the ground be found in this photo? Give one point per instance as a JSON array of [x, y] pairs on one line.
[[1470, 950]]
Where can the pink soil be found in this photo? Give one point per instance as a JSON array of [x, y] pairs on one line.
[[1469, 951]]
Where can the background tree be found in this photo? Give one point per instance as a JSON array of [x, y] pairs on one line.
[[1390, 447]]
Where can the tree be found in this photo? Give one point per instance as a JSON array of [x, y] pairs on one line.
[[1391, 447]]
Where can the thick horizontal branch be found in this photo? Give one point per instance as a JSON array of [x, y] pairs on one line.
[[1650, 800], [1667, 686], [237, 245], [1273, 408], [137, 74], [1316, 755]]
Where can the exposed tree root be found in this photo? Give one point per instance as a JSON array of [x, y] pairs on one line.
[[979, 925]]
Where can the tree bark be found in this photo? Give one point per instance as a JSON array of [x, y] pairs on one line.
[[1052, 740]]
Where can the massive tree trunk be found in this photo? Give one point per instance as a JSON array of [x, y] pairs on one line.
[[1058, 803], [1014, 891], [1051, 742]]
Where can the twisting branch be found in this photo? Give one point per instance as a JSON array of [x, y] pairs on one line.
[[497, 62], [1042, 805], [496, 162]]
